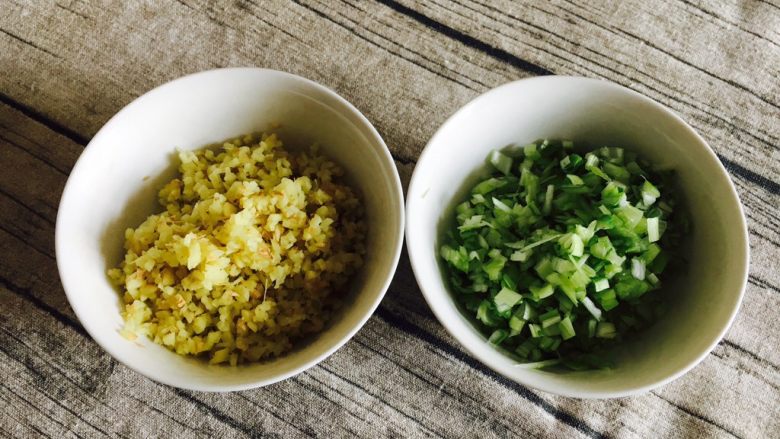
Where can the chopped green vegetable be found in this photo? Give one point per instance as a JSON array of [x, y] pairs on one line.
[[558, 255], [501, 161]]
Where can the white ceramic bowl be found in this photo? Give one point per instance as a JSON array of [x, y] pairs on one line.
[[114, 183], [599, 113]]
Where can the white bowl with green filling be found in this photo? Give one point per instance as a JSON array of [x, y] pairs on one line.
[[702, 302]]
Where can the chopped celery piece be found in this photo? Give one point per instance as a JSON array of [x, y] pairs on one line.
[[566, 328], [575, 180], [501, 161], [498, 336], [630, 215], [602, 247], [650, 254], [539, 364], [550, 318], [474, 222], [607, 299], [457, 258], [592, 328], [530, 152], [592, 308], [541, 292], [528, 312], [653, 230], [486, 315], [516, 324], [650, 193], [494, 266], [571, 246], [477, 199], [488, 186], [520, 255], [638, 268], [653, 279], [617, 172], [591, 160], [498, 204], [605, 330], [506, 299], [548, 198]]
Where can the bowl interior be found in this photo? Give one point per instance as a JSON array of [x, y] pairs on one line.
[[596, 113], [114, 185]]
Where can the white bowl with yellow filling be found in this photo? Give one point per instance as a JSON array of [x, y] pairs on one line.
[[237, 265]]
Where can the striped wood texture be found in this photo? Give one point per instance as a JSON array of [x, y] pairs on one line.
[[68, 65]]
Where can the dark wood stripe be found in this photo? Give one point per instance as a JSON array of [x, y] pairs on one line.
[[695, 67], [345, 396], [67, 321], [28, 243], [473, 403], [162, 413], [76, 415], [36, 156], [373, 43], [25, 207], [750, 354], [723, 20], [380, 399], [633, 79], [770, 185], [565, 417], [766, 2], [322, 395], [677, 58], [765, 238], [743, 370], [43, 119], [36, 408], [29, 43], [34, 369], [181, 2], [305, 431], [467, 40], [390, 24], [697, 416], [395, 321], [762, 283], [219, 415], [65, 8], [244, 7], [28, 295]]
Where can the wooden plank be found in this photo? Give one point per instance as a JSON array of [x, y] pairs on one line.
[[432, 73], [449, 67], [403, 300]]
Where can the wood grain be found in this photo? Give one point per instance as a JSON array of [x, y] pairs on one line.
[[70, 65]]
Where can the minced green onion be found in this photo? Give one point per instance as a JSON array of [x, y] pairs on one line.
[[557, 253]]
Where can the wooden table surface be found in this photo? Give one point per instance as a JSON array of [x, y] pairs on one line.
[[69, 65]]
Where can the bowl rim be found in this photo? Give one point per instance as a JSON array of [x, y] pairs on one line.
[[565, 391], [69, 283]]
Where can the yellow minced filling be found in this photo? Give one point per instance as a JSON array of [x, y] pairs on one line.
[[253, 252]]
